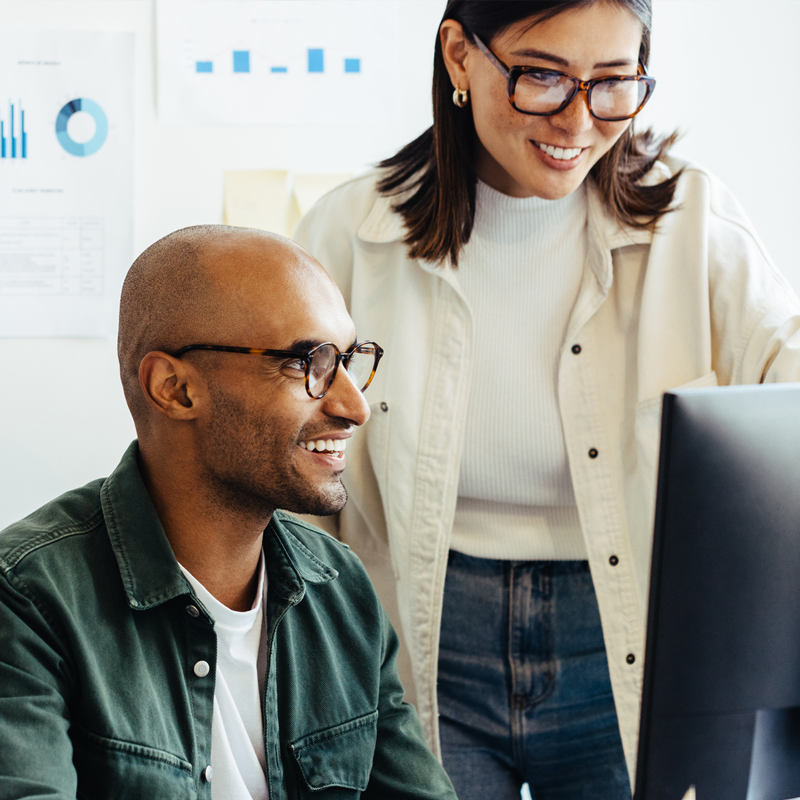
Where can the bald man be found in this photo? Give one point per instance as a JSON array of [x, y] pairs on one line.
[[168, 632]]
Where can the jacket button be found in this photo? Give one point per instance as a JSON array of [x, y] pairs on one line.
[[201, 669], [593, 453], [630, 658], [613, 561], [384, 406], [576, 348], [193, 611], [208, 774]]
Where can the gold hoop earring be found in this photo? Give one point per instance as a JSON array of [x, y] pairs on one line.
[[460, 97]]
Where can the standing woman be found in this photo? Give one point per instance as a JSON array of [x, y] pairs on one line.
[[539, 275]]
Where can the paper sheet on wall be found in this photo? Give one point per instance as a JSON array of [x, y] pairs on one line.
[[260, 62], [273, 200], [66, 180], [307, 189], [256, 199]]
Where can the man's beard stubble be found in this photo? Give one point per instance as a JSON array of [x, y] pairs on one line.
[[240, 475]]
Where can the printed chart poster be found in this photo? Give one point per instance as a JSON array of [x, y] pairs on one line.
[[261, 62], [66, 180]]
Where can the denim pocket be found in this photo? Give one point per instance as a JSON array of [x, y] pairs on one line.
[[114, 768], [339, 756]]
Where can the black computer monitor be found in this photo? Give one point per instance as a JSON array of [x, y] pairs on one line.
[[721, 697]]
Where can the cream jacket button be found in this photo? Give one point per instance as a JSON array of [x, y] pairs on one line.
[[201, 669], [208, 772]]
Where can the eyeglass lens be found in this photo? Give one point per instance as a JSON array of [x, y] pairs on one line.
[[360, 365], [542, 93]]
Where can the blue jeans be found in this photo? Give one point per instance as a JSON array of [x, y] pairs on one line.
[[524, 691]]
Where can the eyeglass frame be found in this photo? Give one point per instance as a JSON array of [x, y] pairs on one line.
[[302, 355], [513, 74]]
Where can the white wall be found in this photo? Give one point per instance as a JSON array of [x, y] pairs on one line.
[[725, 70], [723, 67], [63, 419]]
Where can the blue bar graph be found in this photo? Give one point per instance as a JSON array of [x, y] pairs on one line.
[[241, 64], [241, 61], [316, 60], [13, 136]]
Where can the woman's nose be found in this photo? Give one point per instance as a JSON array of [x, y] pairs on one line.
[[575, 118]]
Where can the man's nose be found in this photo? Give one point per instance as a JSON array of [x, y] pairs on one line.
[[346, 400]]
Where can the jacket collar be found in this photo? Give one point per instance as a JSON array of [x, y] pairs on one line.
[[607, 234], [290, 564], [383, 225], [150, 573], [148, 568]]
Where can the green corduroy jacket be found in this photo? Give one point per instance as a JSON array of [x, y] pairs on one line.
[[100, 632]]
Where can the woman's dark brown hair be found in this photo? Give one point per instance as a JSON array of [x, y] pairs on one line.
[[438, 169]]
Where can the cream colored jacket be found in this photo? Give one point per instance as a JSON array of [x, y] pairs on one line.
[[698, 303]]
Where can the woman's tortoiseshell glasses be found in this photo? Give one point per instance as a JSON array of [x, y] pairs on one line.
[[320, 363], [545, 92]]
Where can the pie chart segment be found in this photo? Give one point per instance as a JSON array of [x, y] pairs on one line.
[[100, 131]]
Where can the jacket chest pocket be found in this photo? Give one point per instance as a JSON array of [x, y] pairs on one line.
[[335, 763], [126, 771]]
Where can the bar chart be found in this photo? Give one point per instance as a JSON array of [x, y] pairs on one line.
[[276, 61], [13, 136], [315, 63]]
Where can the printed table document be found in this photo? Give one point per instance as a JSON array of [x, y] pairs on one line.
[[66, 180]]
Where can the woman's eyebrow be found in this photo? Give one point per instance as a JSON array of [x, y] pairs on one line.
[[545, 56]]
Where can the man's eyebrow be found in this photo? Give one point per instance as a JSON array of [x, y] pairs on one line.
[[305, 345], [302, 345], [545, 56]]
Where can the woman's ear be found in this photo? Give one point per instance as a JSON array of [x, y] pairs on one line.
[[454, 52], [171, 386]]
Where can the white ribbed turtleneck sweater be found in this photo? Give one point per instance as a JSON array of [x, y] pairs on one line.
[[520, 273]]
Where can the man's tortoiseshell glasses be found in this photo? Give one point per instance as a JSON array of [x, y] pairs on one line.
[[320, 363]]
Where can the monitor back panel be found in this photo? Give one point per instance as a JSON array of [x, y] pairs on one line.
[[723, 638]]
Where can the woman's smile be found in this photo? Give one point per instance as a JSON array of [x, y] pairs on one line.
[[579, 42]]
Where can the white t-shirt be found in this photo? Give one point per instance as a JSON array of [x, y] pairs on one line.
[[237, 731]]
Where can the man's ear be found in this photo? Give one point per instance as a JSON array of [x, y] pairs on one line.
[[172, 386]]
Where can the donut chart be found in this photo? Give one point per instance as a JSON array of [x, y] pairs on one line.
[[100, 131]]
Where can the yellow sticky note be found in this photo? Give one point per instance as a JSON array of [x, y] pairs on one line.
[[257, 199], [308, 188]]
